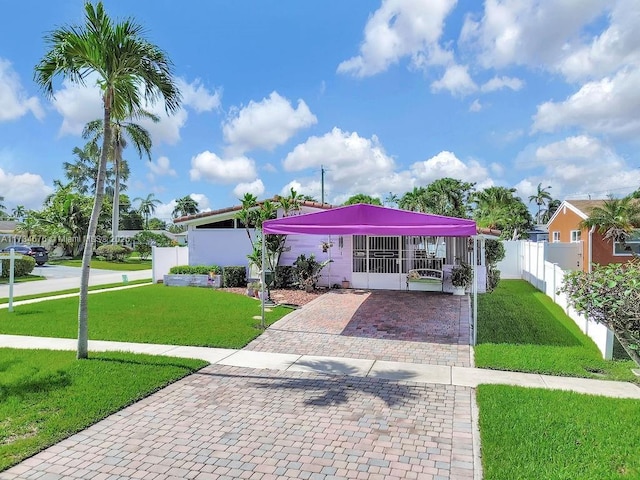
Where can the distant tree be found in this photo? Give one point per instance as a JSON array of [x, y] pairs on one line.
[[498, 208], [391, 200], [3, 213], [156, 224], [415, 200], [615, 219], [18, 213], [131, 72], [362, 198], [541, 198], [552, 207], [449, 197], [173, 228], [145, 241], [147, 206], [83, 171], [185, 206], [131, 220]]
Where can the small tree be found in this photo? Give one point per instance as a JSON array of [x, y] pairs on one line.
[[307, 271], [493, 252], [610, 295], [144, 241]]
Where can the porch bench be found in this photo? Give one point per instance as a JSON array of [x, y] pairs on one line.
[[424, 280]]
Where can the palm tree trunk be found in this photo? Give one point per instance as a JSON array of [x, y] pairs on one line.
[[115, 214], [83, 311]]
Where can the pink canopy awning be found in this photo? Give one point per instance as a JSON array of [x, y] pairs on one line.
[[362, 219]]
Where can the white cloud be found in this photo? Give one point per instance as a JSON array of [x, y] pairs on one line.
[[456, 80], [164, 211], [527, 32], [202, 200], [475, 106], [78, 104], [256, 188], [162, 167], [608, 106], [446, 164], [268, 167], [208, 166], [574, 166], [26, 189], [353, 164], [265, 124], [401, 28], [14, 102], [498, 83], [196, 96]]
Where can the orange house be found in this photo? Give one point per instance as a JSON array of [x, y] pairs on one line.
[[564, 227]]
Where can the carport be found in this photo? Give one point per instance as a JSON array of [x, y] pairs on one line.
[[363, 219]]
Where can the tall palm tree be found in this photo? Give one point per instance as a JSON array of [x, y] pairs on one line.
[[541, 197], [141, 140], [147, 207], [131, 72], [2, 207], [185, 206], [19, 212], [615, 219]]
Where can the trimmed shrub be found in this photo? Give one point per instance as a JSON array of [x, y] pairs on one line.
[[195, 269], [235, 276], [144, 241], [493, 278], [285, 276], [493, 251], [114, 253], [21, 267]]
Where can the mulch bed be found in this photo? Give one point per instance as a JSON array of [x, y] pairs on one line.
[[285, 296]]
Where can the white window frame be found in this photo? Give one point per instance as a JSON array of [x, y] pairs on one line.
[[633, 242], [555, 237], [576, 236]]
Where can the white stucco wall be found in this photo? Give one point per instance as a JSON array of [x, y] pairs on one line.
[[224, 247]]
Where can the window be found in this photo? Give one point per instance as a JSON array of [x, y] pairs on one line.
[[631, 245], [556, 237], [575, 236]]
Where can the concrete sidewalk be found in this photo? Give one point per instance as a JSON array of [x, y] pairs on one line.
[[397, 371], [97, 277]]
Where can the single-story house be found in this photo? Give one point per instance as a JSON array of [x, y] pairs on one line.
[[7, 233], [564, 227], [373, 261]]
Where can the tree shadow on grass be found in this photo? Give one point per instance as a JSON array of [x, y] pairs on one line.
[[35, 385]]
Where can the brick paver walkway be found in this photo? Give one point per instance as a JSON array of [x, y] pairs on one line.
[[229, 422], [414, 327]]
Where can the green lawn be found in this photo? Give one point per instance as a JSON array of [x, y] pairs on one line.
[[73, 290], [129, 264], [148, 314], [521, 329], [534, 434], [45, 395]]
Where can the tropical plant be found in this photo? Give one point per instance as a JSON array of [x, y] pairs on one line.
[[121, 130], [362, 198], [3, 214], [548, 212], [615, 219], [185, 206], [19, 212], [391, 200], [145, 241], [307, 271], [147, 207], [541, 198], [610, 295], [461, 275], [493, 253], [83, 171], [114, 253], [131, 71], [414, 200], [156, 224], [449, 197], [498, 208]]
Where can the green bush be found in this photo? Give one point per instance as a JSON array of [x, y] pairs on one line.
[[307, 271], [493, 278], [144, 242], [285, 276], [195, 269], [493, 251], [114, 253], [235, 276], [21, 267]]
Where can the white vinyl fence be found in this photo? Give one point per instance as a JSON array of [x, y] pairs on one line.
[[163, 258], [532, 259]]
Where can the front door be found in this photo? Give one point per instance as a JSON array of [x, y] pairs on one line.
[[377, 262]]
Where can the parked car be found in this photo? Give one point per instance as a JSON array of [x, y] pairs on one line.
[[39, 254]]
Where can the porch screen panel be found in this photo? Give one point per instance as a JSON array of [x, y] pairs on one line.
[[384, 254], [359, 254]]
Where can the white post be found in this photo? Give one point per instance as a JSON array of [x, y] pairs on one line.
[[475, 290], [12, 262], [264, 262]]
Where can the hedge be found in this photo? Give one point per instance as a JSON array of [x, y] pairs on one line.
[[235, 276], [22, 266], [113, 252], [195, 269]]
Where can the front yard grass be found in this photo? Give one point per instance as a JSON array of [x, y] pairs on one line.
[[130, 264], [533, 434], [25, 278], [521, 329], [148, 314], [46, 396]]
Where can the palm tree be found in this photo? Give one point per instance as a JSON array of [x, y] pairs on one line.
[[541, 197], [141, 141], [185, 206], [615, 219], [391, 199], [131, 72], [498, 208], [19, 212], [147, 207], [414, 200], [2, 207]]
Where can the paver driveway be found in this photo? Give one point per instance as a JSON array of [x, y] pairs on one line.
[[228, 422]]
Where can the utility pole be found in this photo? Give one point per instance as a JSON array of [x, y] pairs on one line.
[[322, 184]]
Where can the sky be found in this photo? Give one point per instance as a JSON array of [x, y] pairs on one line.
[[383, 95]]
